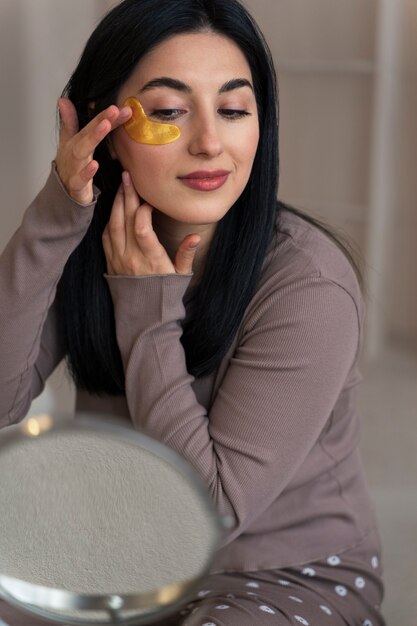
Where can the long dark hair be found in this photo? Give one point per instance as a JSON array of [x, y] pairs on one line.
[[242, 237], [238, 250]]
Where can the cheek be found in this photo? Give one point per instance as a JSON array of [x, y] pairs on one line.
[[246, 151], [146, 164], [148, 177], [253, 143], [247, 145]]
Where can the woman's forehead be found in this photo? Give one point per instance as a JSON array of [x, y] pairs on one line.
[[197, 57]]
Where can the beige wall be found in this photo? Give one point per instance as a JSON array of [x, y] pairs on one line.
[[347, 75], [348, 92], [392, 244], [40, 41]]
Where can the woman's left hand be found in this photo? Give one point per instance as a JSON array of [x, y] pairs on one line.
[[131, 245]]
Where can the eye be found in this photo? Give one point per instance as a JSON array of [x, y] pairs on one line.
[[166, 115], [234, 114]]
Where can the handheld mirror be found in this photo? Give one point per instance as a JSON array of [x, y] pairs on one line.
[[100, 524]]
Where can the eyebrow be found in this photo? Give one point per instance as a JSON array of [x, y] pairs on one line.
[[178, 85]]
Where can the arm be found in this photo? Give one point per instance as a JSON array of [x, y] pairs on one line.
[[30, 268], [276, 396], [298, 343], [34, 259]]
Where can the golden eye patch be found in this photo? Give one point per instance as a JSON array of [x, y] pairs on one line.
[[143, 130]]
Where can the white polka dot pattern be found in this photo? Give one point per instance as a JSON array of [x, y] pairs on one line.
[[375, 562], [341, 591], [309, 571], [333, 560]]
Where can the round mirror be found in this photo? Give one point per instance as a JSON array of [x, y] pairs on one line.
[[100, 524]]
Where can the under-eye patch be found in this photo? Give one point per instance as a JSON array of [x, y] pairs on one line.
[[146, 131]]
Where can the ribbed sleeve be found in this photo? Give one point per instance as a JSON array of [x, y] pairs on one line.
[[298, 344], [30, 268], [274, 431]]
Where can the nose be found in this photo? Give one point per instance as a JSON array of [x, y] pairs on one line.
[[206, 140]]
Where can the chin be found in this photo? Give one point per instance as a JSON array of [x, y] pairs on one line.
[[199, 215], [197, 212]]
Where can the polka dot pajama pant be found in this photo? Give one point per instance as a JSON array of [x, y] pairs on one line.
[[341, 590]]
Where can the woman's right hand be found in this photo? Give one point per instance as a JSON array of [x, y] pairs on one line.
[[74, 160]]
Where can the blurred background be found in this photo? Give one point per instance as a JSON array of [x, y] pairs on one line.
[[348, 142]]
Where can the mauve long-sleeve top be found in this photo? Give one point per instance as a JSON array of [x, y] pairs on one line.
[[273, 432]]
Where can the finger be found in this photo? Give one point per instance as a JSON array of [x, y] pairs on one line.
[[99, 127], [145, 236], [69, 119], [89, 138], [108, 249], [125, 113], [132, 203], [186, 253], [116, 227], [79, 181], [107, 245], [132, 200]]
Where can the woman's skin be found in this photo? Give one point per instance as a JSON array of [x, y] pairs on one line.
[[74, 159], [162, 219]]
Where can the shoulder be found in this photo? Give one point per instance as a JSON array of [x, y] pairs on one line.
[[301, 251], [308, 281]]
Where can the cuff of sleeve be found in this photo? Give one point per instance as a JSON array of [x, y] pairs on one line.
[[148, 300], [55, 215]]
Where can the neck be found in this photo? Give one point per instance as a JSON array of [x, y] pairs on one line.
[[170, 233]]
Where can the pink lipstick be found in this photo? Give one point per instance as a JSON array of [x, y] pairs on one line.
[[205, 180]]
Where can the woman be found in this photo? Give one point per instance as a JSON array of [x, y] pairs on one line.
[[187, 300]]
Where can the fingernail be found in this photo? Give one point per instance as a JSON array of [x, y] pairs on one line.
[[126, 179], [102, 126], [193, 244], [125, 111]]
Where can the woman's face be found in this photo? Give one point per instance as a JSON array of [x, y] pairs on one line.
[[209, 96]]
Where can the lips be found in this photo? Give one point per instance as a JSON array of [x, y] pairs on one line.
[[205, 175], [205, 180]]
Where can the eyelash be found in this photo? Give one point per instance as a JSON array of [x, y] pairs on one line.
[[236, 114], [166, 114]]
